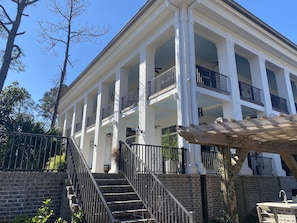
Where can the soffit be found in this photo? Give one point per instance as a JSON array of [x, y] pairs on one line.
[[274, 134]]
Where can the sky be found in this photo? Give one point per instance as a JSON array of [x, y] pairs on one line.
[[42, 68]]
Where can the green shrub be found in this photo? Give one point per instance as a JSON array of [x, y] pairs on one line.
[[45, 215], [57, 162]]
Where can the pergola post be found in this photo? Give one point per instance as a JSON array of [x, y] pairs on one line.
[[291, 162], [229, 167]]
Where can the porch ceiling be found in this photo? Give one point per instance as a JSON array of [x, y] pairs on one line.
[[274, 135]]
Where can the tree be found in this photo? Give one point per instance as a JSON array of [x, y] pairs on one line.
[[67, 31], [9, 29], [45, 108], [17, 110]]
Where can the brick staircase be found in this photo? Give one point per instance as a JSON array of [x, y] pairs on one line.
[[123, 201]]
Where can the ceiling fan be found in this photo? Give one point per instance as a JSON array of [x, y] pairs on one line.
[[157, 69]]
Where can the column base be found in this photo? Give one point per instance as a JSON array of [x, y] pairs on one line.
[[246, 171], [279, 173]]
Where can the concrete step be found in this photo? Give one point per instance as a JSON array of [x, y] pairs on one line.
[[146, 220], [121, 198], [125, 205], [131, 214], [109, 197], [107, 175], [117, 181], [116, 188]]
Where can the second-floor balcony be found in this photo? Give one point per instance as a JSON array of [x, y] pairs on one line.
[[78, 126], [279, 103], [131, 100], [212, 80], [166, 80], [107, 111], [91, 120], [250, 93]]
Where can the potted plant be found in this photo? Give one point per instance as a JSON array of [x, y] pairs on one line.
[[170, 152]]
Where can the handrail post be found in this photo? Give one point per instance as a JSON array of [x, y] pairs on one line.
[[191, 217], [183, 160]]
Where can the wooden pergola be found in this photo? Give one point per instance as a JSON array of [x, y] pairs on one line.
[[273, 135]]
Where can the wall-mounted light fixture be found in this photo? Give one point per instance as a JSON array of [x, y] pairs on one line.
[[138, 130], [200, 112]]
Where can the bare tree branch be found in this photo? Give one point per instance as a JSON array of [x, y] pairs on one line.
[[12, 52], [67, 31], [6, 14]]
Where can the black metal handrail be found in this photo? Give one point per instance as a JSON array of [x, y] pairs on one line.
[[107, 111], [91, 120], [161, 159], [250, 93], [162, 81], [32, 152], [260, 165], [211, 79], [90, 197], [78, 126], [279, 103], [131, 99], [160, 202]]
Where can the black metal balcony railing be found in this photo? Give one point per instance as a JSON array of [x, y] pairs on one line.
[[161, 159], [210, 161], [107, 111], [249, 93], [279, 103], [32, 152], [78, 126], [131, 100], [89, 195], [157, 198], [162, 81], [68, 132], [91, 120], [260, 165], [211, 79]]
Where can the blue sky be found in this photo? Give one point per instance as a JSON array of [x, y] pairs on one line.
[[42, 68]]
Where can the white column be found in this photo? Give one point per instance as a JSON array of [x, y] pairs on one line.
[[232, 109], [64, 123], [73, 120], [285, 89], [227, 66], [259, 79], [119, 130], [98, 155], [184, 80], [84, 145], [146, 119]]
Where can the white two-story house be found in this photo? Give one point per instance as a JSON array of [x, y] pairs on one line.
[[181, 62]]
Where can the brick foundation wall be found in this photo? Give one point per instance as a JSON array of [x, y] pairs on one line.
[[187, 189], [22, 193], [249, 190]]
